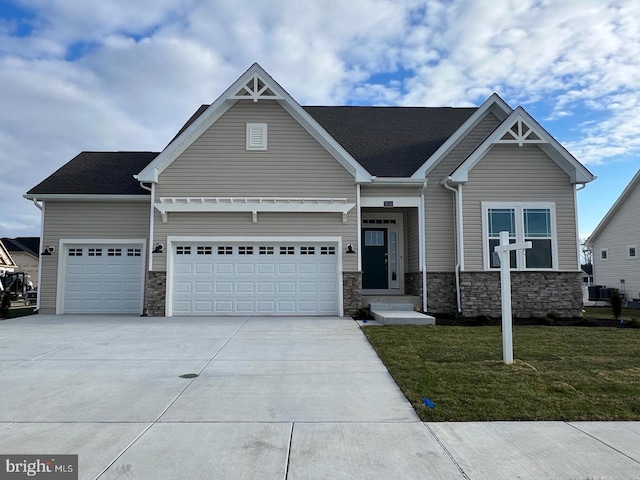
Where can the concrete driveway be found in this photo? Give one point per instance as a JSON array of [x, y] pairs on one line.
[[276, 398]]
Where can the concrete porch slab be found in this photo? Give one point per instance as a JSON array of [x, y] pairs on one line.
[[394, 317], [226, 451], [531, 450], [364, 451]]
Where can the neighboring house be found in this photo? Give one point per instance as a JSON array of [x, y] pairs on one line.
[[615, 243], [25, 252], [587, 274], [7, 264], [260, 206]]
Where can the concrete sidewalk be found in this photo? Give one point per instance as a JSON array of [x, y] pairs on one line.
[[276, 398]]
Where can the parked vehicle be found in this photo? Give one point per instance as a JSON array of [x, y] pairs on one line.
[[16, 294]]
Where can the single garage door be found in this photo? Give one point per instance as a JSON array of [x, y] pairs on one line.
[[255, 278], [103, 279]]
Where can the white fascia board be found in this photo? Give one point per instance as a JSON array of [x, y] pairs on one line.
[[89, 198], [494, 104], [397, 182], [572, 167], [633, 184], [151, 172]]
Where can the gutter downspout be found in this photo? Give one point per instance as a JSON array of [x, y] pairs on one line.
[[41, 207], [576, 189], [151, 223], [359, 220], [459, 236], [422, 254]]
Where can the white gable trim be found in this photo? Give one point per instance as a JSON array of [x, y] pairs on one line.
[[270, 90], [633, 184], [573, 168], [494, 104]]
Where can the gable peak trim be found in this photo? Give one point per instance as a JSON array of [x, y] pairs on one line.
[[256, 88]]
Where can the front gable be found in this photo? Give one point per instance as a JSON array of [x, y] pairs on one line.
[[254, 86], [520, 129]]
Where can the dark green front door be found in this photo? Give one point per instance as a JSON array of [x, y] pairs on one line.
[[375, 273]]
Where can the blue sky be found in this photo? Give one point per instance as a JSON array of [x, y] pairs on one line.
[[123, 75]]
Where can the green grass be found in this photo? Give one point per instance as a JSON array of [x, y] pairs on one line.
[[559, 373], [597, 313]]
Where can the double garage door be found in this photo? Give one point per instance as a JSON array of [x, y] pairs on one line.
[[263, 278], [103, 278]]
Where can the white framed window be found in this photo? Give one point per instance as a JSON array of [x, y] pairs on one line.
[[632, 251], [525, 221], [604, 254], [256, 136]]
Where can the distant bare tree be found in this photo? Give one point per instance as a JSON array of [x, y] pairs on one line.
[[587, 254]]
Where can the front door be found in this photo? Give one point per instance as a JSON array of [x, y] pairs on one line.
[[375, 259]]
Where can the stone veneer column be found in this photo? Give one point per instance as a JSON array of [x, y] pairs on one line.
[[441, 293], [156, 293], [533, 294], [352, 292]]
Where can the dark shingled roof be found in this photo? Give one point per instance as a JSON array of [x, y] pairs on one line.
[[390, 141], [387, 141], [98, 173], [30, 245]]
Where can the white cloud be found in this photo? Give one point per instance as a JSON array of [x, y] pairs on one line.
[[119, 74]]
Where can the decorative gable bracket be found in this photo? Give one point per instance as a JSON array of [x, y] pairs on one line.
[[520, 133], [256, 89]]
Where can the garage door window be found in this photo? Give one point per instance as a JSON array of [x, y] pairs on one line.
[[75, 252], [266, 250], [114, 252], [95, 252], [287, 250], [183, 250], [327, 250], [307, 250], [245, 250], [205, 250], [225, 250], [134, 252]]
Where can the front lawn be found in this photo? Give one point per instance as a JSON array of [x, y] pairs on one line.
[[560, 373]]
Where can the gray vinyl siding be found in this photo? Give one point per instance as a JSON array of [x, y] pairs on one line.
[[269, 224], [439, 202], [86, 220], [388, 192], [621, 231], [217, 164], [509, 173]]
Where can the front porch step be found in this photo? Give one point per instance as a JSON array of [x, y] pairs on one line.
[[415, 300], [392, 307], [402, 317]]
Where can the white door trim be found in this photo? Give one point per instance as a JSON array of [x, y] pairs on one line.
[[253, 239], [65, 243]]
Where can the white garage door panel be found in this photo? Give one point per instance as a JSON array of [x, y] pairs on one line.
[[103, 279], [263, 279]]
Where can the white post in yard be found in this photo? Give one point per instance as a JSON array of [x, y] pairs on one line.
[[504, 252]]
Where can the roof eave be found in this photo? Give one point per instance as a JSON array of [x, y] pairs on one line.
[[87, 197]]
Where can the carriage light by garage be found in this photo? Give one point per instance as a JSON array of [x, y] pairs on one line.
[[350, 249], [158, 248], [48, 250]]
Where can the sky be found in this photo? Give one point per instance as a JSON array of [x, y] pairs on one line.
[[125, 75]]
